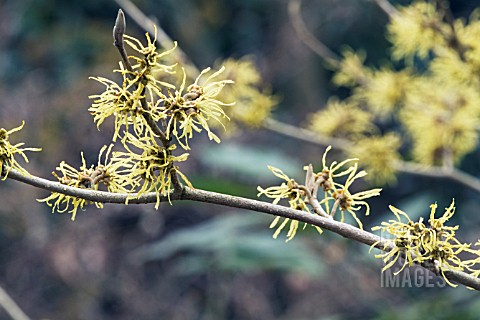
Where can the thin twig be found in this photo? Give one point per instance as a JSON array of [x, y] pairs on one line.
[[401, 166], [305, 134], [162, 37], [343, 229], [11, 307], [439, 172], [387, 7], [294, 10], [118, 32]]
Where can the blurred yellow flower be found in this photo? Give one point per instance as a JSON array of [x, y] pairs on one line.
[[416, 30], [442, 121], [253, 99], [379, 155], [351, 71], [343, 119]]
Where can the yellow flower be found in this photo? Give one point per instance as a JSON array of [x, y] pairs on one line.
[[442, 121], [383, 92], [288, 189], [325, 178], [110, 174], [149, 60], [151, 168], [292, 191], [191, 111], [67, 202], [125, 104], [351, 71], [8, 152], [416, 30], [341, 119], [379, 155], [404, 241], [73, 178], [140, 93], [253, 99], [347, 201]]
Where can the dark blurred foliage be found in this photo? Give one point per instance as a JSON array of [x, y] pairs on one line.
[[192, 260]]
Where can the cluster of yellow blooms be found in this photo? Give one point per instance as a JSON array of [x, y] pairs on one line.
[[336, 195], [433, 245], [152, 118], [253, 101], [432, 94]]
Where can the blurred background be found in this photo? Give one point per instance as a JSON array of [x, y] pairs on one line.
[[194, 260]]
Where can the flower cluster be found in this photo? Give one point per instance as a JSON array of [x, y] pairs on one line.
[[417, 30], [143, 99], [150, 166], [9, 151], [343, 119], [152, 118], [379, 156], [190, 111], [431, 95], [139, 94], [305, 197], [433, 244], [109, 174]]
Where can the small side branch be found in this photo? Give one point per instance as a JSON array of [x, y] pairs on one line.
[[387, 7], [11, 307], [162, 37], [304, 134], [294, 10], [440, 172]]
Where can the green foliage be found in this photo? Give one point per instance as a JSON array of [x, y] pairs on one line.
[[232, 243]]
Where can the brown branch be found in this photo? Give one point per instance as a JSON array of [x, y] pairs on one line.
[[343, 229], [314, 202]]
